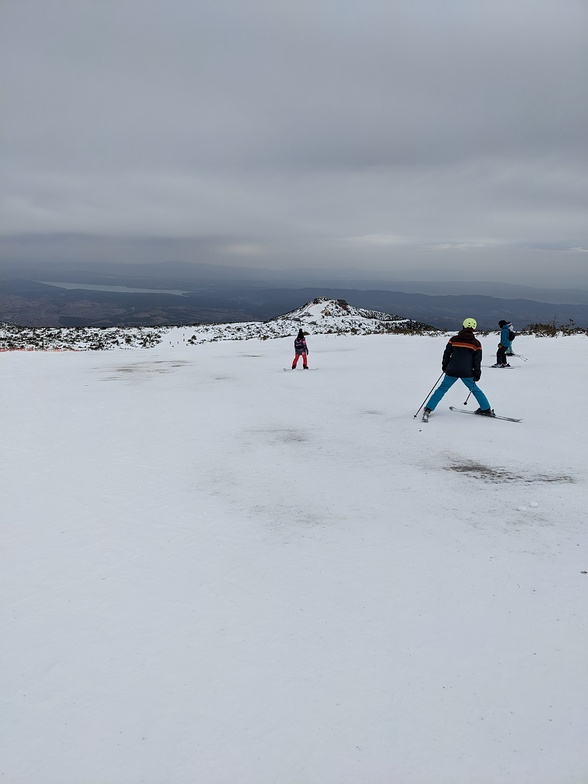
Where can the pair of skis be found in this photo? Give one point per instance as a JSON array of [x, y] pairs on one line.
[[463, 411]]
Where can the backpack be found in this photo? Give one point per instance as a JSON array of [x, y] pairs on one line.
[[511, 335]]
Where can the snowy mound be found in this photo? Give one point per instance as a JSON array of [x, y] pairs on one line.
[[320, 316], [321, 308], [338, 314]]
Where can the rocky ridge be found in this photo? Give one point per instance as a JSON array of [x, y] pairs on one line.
[[319, 316]]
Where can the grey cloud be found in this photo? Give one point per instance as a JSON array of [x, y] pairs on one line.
[[298, 125]]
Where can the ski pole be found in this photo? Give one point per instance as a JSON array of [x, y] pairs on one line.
[[465, 402], [425, 400]]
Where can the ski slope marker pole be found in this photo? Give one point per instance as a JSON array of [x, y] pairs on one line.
[[425, 400]]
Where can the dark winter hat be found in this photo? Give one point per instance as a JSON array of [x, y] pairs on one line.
[[502, 323]]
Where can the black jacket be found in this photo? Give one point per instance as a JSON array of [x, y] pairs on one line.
[[462, 357]]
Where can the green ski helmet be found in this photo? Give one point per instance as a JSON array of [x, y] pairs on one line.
[[470, 323]]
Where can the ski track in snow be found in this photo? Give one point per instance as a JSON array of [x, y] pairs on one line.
[[216, 571]]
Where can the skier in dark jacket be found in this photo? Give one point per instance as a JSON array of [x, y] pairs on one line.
[[301, 350], [505, 345], [462, 358]]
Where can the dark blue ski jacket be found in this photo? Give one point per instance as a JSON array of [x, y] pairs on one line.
[[462, 357]]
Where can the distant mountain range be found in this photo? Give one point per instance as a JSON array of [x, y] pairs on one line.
[[173, 293]]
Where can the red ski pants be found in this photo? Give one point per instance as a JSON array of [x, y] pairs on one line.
[[297, 357]]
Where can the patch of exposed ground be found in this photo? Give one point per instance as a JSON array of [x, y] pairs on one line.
[[497, 474]]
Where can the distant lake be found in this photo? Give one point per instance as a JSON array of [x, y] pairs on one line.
[[123, 289]]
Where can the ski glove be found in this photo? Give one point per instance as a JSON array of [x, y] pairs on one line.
[[477, 377]]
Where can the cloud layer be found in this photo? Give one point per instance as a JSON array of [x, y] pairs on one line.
[[332, 131]]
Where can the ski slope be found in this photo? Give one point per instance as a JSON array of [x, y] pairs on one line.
[[217, 572]]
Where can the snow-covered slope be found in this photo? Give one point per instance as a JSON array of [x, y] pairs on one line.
[[214, 571], [321, 316]]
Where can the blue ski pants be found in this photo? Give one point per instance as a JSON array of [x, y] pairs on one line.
[[448, 382]]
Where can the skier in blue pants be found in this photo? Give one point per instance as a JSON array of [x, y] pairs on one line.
[[462, 359]]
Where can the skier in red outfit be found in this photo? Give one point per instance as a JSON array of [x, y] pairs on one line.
[[301, 350]]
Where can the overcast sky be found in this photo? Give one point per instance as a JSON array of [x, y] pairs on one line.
[[444, 137]]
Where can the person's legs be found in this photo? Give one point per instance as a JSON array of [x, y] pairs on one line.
[[446, 384], [477, 393], [501, 356], [305, 361], [295, 361]]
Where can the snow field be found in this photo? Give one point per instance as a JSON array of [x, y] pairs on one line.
[[217, 571]]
